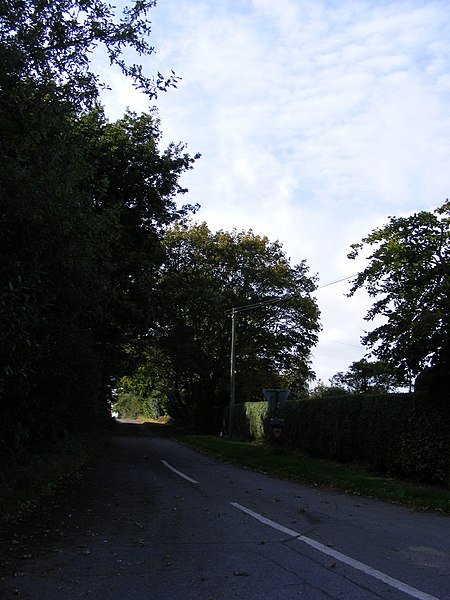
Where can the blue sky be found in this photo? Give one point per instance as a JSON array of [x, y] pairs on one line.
[[316, 120]]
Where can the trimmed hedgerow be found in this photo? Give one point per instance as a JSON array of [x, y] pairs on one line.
[[407, 434], [397, 434]]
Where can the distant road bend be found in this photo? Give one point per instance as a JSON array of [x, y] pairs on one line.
[[155, 520]]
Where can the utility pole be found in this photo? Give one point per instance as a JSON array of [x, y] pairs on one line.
[[234, 311], [249, 307], [232, 368]]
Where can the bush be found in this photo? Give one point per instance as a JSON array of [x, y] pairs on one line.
[[398, 434], [404, 434], [127, 405], [249, 420]]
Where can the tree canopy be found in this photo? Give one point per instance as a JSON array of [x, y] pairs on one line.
[[84, 203], [203, 276], [363, 377], [50, 43], [409, 275]]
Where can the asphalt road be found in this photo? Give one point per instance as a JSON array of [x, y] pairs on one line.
[[153, 520]]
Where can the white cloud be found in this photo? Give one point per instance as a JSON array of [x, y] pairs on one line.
[[316, 120]]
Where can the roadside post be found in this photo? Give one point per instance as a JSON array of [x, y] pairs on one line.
[[276, 399]]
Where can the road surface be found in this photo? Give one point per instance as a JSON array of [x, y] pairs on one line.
[[154, 520]]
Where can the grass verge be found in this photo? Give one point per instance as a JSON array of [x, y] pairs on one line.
[[284, 463]]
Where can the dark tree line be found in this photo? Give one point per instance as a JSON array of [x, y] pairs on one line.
[[93, 274], [83, 206]]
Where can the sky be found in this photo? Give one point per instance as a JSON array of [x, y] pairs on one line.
[[316, 121]]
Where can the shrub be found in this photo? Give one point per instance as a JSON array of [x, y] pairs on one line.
[[406, 434], [249, 420], [398, 434], [127, 405]]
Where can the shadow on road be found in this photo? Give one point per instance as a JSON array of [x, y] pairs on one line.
[[130, 427]]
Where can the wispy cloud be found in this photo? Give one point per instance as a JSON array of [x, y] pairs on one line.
[[316, 120]]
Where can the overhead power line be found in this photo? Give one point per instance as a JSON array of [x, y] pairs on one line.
[[342, 343], [336, 281], [246, 307]]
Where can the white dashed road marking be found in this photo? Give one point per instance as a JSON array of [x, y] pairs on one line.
[[166, 464], [395, 583], [343, 558]]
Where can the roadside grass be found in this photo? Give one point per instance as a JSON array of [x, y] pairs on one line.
[[292, 464]]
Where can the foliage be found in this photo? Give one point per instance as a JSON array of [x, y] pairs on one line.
[[321, 390], [249, 420], [144, 387], [363, 377], [406, 435], [132, 187], [408, 274], [403, 434], [50, 43], [46, 271], [83, 206], [78, 263], [203, 276], [127, 405]]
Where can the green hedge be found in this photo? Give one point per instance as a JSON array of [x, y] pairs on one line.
[[250, 420], [406, 434], [397, 434]]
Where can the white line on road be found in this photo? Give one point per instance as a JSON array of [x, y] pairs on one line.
[[395, 583], [166, 464]]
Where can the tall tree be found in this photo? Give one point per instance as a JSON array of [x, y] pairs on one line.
[[409, 275], [203, 277], [132, 186], [83, 203]]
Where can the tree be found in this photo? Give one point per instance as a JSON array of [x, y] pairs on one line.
[[46, 271], [83, 206], [365, 377], [205, 275], [144, 385], [50, 42], [408, 273], [132, 186], [321, 390], [78, 261]]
